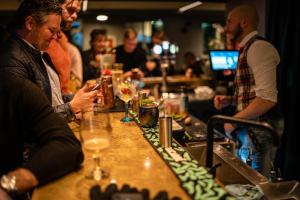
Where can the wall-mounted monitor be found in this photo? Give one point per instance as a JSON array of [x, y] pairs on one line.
[[223, 59]]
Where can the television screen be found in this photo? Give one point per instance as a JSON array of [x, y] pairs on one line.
[[223, 59]]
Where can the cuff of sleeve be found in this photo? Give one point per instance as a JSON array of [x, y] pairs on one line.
[[70, 113]]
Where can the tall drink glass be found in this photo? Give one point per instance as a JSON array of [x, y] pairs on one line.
[[95, 135], [126, 92]]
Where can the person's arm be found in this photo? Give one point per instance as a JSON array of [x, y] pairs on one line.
[[65, 111], [263, 58], [14, 66], [82, 101], [59, 152], [76, 64], [17, 182], [222, 101], [256, 108]]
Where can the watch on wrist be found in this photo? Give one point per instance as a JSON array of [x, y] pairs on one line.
[[8, 184]]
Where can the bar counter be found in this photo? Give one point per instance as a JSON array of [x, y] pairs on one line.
[[130, 159], [176, 79]]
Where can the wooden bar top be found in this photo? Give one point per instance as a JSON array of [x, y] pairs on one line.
[[130, 160]]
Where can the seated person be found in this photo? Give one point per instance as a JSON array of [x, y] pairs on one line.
[[156, 39], [192, 67], [152, 67], [36, 24], [91, 57], [27, 117], [131, 55]]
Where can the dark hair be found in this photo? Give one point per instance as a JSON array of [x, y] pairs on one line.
[[189, 54], [97, 32], [38, 9], [130, 33]]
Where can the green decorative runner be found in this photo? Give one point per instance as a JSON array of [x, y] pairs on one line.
[[195, 179]]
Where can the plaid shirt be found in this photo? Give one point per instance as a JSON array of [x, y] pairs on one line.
[[244, 81]]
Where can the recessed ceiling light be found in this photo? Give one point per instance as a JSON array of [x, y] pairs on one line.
[[102, 18]]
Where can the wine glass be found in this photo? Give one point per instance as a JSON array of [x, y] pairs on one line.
[[95, 135], [126, 92]]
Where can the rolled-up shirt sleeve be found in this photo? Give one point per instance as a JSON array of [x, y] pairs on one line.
[[263, 59]]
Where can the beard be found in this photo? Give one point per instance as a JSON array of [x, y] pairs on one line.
[[237, 33], [65, 25]]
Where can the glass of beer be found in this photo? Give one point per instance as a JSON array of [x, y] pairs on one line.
[[95, 136]]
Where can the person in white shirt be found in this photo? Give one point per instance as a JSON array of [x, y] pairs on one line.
[[255, 95]]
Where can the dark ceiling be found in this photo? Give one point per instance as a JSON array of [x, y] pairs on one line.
[[134, 10]]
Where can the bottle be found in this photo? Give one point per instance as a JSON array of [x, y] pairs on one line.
[[107, 91], [184, 99], [273, 176]]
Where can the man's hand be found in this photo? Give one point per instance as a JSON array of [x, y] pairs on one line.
[[83, 100], [228, 130], [221, 101], [24, 181]]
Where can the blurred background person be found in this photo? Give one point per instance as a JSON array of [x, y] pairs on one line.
[[58, 48], [131, 55], [157, 53], [152, 67], [92, 57], [192, 67], [156, 39]]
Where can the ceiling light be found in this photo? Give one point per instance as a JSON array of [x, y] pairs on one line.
[[189, 6], [102, 18]]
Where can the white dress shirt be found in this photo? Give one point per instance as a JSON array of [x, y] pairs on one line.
[[263, 58]]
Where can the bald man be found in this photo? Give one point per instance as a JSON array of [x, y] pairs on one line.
[[255, 95]]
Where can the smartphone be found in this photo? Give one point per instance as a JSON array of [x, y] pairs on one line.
[[97, 86]]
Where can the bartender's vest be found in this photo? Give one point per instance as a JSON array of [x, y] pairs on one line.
[[244, 82]]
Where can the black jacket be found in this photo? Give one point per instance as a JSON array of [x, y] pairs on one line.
[[136, 59], [27, 117], [20, 60]]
